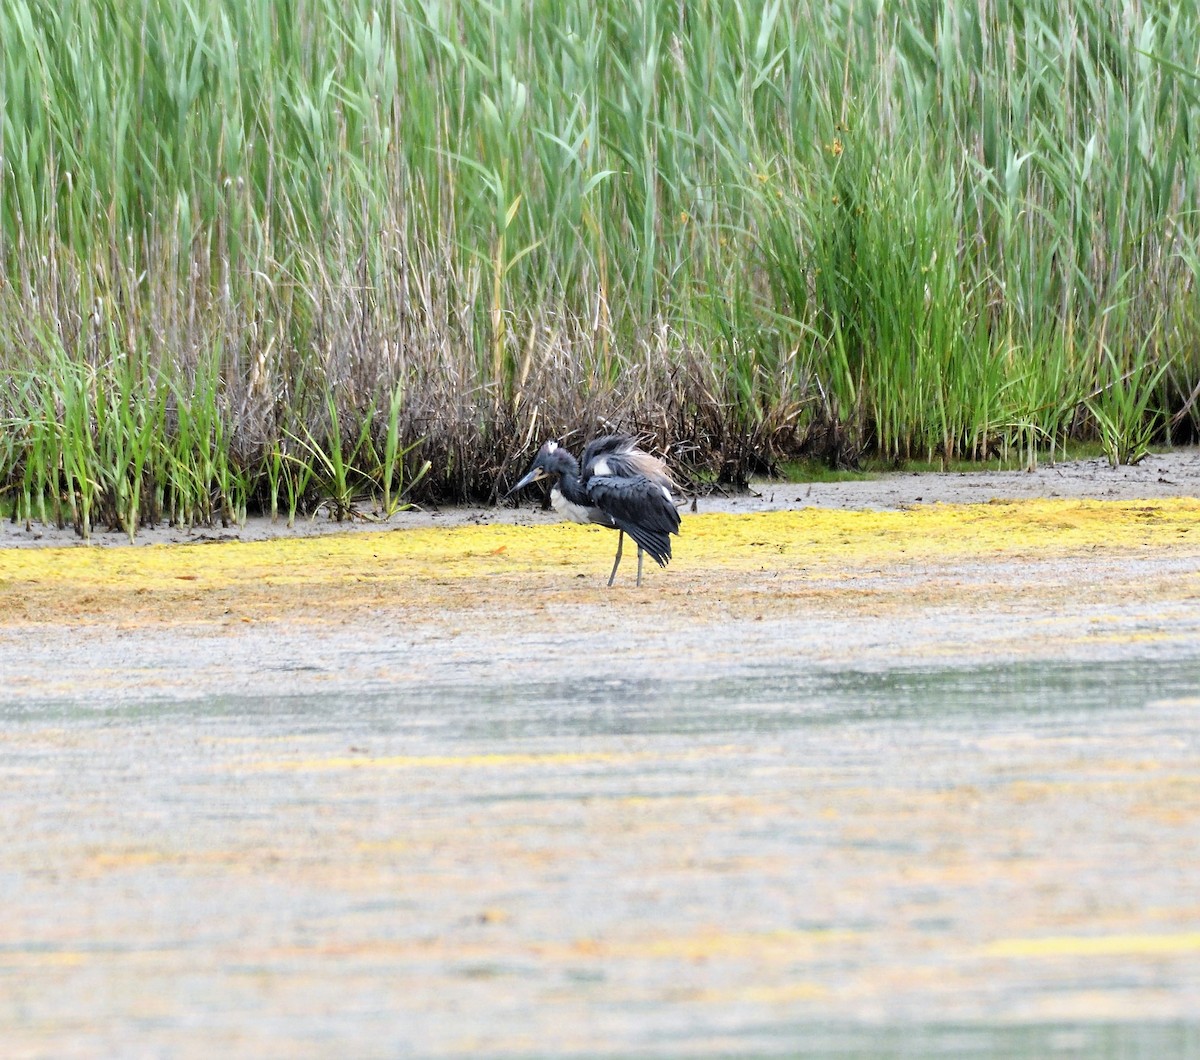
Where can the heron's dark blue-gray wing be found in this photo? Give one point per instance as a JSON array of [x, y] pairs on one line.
[[640, 507], [618, 456], [606, 445]]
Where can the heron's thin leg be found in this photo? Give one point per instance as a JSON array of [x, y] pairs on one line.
[[639, 585], [617, 561]]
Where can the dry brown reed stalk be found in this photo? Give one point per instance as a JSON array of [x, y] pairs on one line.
[[252, 255]]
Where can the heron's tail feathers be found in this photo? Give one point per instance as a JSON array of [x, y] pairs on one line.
[[655, 543]]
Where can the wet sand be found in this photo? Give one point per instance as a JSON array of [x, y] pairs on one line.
[[874, 779]]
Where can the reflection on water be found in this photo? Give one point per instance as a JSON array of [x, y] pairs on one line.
[[783, 701], [653, 856], [1082, 1041], [779, 699]]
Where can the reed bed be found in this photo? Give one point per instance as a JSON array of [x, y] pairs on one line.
[[282, 256]]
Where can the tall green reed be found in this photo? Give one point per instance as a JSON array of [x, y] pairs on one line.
[[746, 228]]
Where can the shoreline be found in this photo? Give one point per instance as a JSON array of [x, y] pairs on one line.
[[1171, 474]]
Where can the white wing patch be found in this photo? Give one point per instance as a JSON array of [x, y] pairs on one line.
[[600, 467]]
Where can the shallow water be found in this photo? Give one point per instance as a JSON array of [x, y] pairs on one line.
[[993, 860], [832, 784], [777, 697]]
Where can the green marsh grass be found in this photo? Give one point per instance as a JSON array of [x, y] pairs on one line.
[[297, 256]]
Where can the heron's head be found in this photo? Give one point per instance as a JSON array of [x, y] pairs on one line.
[[551, 462]]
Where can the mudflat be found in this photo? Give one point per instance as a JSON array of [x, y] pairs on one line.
[[1170, 474], [841, 775]]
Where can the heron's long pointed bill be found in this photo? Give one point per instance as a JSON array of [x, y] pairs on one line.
[[536, 475]]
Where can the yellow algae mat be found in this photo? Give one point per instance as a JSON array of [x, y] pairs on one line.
[[440, 567], [451, 771]]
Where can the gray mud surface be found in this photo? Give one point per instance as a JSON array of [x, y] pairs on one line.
[[937, 808], [1170, 474]]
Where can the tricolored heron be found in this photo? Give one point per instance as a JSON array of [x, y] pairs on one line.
[[619, 486]]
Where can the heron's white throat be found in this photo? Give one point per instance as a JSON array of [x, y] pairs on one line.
[[577, 513]]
